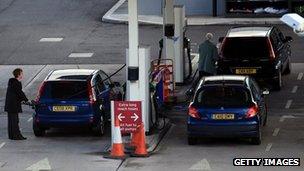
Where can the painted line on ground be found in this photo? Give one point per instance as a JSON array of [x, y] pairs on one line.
[[287, 117], [51, 39], [40, 165], [276, 132], [81, 55], [2, 164], [30, 119], [288, 104], [2, 144], [300, 76], [295, 89], [268, 148], [201, 165], [282, 119]]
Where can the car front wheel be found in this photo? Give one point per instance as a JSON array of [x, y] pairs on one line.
[[99, 129], [277, 82]]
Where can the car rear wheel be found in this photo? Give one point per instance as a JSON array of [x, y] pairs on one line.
[[288, 68], [277, 82], [192, 140], [266, 117], [99, 129], [257, 140], [38, 131]]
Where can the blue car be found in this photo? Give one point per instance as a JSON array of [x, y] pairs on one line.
[[74, 97], [227, 106]]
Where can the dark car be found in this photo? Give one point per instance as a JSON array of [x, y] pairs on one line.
[[74, 97], [227, 106], [262, 52]]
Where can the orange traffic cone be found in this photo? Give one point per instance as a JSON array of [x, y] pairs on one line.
[[141, 149], [135, 138], [117, 151]]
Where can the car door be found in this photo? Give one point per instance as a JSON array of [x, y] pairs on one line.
[[107, 92], [280, 46], [99, 88], [257, 95], [286, 47]]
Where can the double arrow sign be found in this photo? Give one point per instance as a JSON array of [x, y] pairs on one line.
[[134, 116]]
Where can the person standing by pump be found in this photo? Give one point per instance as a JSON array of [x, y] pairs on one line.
[[14, 97], [208, 56]]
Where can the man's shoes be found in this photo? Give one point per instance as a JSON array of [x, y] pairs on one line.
[[23, 138], [18, 138]]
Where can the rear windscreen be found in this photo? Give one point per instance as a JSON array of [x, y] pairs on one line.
[[66, 90], [245, 48], [223, 96]]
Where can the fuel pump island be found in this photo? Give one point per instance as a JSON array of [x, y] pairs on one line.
[[150, 84]]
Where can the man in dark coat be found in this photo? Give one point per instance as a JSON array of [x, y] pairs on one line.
[[14, 97], [208, 56]]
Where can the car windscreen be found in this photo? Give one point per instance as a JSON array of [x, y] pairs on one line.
[[65, 90], [245, 48], [223, 96]]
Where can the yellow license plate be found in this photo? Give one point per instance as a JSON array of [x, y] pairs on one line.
[[64, 108], [245, 71], [223, 116]]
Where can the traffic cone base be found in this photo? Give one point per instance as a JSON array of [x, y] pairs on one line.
[[141, 148], [117, 151]]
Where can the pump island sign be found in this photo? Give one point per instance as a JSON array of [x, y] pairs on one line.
[[129, 115]]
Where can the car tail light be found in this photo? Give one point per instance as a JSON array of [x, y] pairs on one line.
[[92, 95], [193, 112], [252, 111], [40, 91], [271, 51]]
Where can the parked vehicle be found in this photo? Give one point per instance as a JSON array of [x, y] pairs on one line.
[[262, 52], [74, 97], [227, 106]]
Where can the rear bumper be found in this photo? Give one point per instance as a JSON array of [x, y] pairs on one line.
[[53, 121], [208, 129], [265, 73]]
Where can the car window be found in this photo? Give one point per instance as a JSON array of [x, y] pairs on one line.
[[223, 96], [106, 82], [246, 48], [65, 90]]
